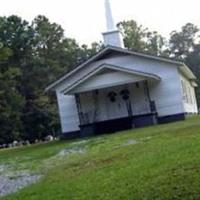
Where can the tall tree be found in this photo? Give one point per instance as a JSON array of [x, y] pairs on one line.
[[185, 45], [182, 43], [11, 101], [155, 44], [52, 55], [138, 38], [48, 60], [31, 56], [14, 39], [133, 34]]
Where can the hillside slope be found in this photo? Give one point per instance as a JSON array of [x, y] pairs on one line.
[[159, 162]]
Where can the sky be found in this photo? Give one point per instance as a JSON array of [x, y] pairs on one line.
[[84, 20]]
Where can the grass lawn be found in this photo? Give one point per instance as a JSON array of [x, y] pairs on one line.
[[158, 162]]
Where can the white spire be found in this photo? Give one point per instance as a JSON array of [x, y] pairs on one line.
[[112, 36], [109, 17]]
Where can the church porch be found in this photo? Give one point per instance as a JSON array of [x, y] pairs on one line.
[[117, 108]]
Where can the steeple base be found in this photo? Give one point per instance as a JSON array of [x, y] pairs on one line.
[[113, 38]]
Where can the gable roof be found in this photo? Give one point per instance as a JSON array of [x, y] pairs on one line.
[[112, 67], [110, 49]]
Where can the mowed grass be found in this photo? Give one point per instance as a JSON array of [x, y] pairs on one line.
[[155, 163]]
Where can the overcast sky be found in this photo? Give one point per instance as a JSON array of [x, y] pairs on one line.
[[84, 19]]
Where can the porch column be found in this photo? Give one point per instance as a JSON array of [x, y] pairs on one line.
[[79, 108], [152, 105], [86, 129]]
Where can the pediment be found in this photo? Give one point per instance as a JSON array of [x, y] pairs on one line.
[[108, 76]]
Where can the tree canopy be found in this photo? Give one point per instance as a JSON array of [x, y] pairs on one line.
[[31, 56]]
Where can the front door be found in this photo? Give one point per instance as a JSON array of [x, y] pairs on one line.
[[118, 102]]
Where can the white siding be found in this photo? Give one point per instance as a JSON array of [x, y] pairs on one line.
[[166, 93], [139, 99], [68, 113], [188, 95]]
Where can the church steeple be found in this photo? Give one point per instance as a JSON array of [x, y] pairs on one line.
[[109, 17], [112, 36]]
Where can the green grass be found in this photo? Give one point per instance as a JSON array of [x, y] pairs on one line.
[[160, 162]]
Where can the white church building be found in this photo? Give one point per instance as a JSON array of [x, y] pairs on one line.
[[118, 89]]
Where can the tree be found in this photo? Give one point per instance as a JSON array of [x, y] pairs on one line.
[[32, 56], [48, 60], [182, 43], [193, 61], [138, 38], [155, 44], [185, 45], [11, 101], [133, 35]]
